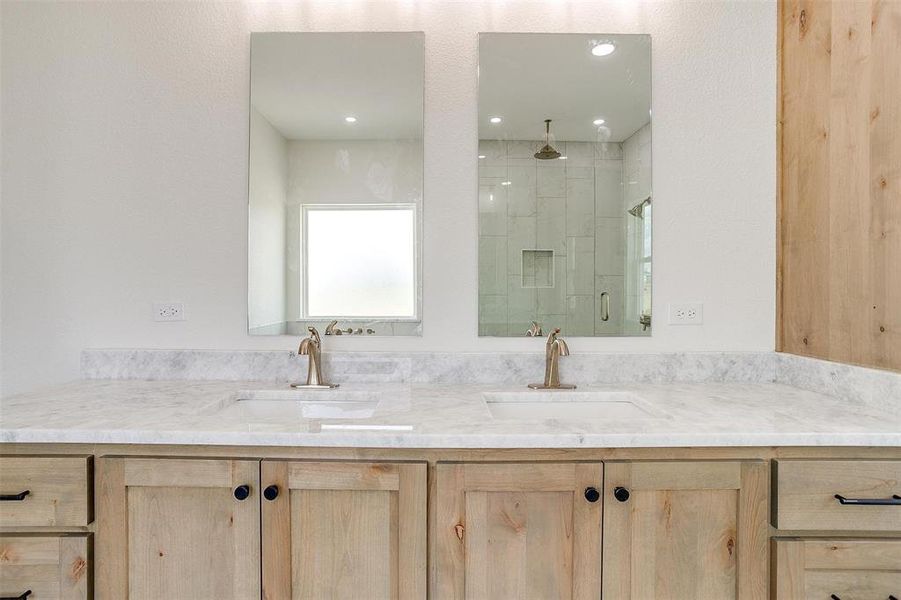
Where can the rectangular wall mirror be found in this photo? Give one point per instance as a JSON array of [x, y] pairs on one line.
[[565, 200], [335, 183]]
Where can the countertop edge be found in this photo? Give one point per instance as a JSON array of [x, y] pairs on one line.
[[449, 442]]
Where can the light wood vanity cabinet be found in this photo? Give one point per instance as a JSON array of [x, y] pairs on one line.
[[847, 569], [46, 507], [178, 528], [46, 491], [837, 495], [236, 529], [685, 530], [311, 523], [344, 530], [680, 530], [45, 566], [518, 530]]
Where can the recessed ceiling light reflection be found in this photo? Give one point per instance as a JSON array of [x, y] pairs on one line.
[[481, 156], [598, 122], [350, 119], [506, 183], [495, 120], [603, 49], [561, 157]]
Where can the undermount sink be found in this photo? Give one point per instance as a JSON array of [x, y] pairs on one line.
[[566, 405], [317, 404]]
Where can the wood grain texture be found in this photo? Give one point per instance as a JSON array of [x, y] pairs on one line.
[[342, 529], [276, 516], [60, 490], [819, 568], [806, 489], [177, 531], [52, 567], [686, 538], [839, 279], [517, 531]]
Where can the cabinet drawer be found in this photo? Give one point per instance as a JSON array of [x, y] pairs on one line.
[[836, 568], [50, 567], [805, 495], [58, 491]]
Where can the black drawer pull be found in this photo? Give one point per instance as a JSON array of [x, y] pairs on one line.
[[895, 500], [834, 597], [15, 498], [21, 596], [621, 493]]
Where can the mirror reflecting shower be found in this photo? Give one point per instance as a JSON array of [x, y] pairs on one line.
[[565, 203]]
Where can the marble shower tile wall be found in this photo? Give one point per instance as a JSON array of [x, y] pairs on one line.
[[571, 208], [512, 368]]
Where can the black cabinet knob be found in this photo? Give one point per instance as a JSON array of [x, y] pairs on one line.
[[592, 494], [621, 493], [242, 492], [271, 492]]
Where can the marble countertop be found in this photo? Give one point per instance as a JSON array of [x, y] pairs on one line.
[[440, 416]]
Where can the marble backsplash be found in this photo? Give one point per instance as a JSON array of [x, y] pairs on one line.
[[858, 384], [835, 379], [429, 367]]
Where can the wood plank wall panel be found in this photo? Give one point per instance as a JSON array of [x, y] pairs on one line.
[[839, 273]]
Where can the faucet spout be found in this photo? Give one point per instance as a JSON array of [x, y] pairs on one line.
[[312, 347], [553, 350]]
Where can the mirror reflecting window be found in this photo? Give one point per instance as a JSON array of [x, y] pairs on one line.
[[335, 183], [565, 199]]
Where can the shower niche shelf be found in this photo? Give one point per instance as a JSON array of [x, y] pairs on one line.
[[537, 268]]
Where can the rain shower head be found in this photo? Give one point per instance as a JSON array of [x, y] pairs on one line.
[[638, 209], [548, 152]]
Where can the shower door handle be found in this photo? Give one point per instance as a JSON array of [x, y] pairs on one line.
[[605, 306]]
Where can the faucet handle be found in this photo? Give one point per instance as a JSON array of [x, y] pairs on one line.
[[331, 328], [314, 334], [534, 330]]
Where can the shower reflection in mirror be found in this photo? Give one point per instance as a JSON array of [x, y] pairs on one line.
[[335, 183], [565, 203]]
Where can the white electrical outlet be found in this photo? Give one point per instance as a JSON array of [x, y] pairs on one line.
[[169, 311], [690, 313]]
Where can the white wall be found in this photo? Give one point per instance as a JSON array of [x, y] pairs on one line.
[[268, 190], [124, 170]]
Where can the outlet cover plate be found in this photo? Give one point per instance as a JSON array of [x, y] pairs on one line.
[[686, 313], [169, 311]]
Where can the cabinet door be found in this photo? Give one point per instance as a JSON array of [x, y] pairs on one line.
[[178, 528], [518, 531], [344, 530], [685, 530], [843, 569]]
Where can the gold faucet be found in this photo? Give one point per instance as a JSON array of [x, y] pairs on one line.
[[534, 330], [312, 347], [553, 350]]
